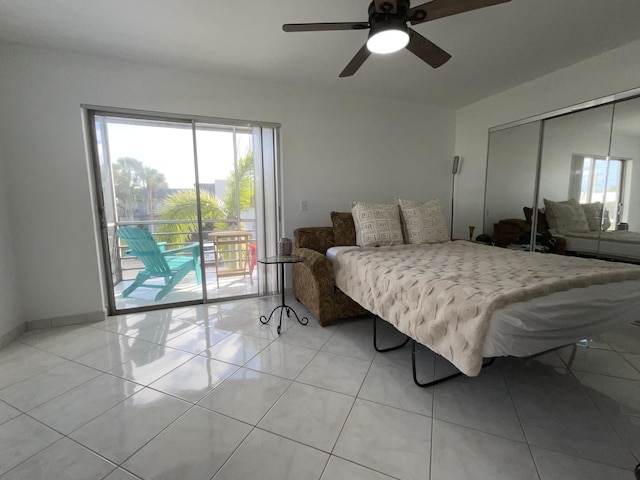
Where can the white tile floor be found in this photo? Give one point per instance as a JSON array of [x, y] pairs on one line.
[[208, 392]]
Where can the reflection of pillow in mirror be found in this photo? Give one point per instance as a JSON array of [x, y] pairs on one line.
[[376, 225], [423, 222], [593, 212], [565, 217]]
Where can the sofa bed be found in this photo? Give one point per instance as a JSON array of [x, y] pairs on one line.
[[313, 280], [461, 299]]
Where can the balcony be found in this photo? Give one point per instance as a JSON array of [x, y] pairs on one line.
[[227, 270], [187, 290]]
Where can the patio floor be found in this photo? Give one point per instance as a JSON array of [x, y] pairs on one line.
[[187, 290]]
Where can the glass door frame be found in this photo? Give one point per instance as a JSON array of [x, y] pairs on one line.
[[268, 284]]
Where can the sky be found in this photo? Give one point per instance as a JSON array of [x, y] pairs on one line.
[[170, 151]]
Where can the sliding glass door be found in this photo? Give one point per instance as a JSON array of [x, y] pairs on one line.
[[227, 200], [180, 215]]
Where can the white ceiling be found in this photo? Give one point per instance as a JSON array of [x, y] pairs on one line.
[[493, 49]]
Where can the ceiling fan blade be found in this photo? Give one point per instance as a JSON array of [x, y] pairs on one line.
[[427, 50], [318, 27], [386, 6], [356, 62], [445, 8]]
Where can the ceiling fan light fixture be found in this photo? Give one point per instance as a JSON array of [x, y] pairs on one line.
[[388, 38]]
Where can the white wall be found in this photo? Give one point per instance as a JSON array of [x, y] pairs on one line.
[[354, 148], [9, 313], [335, 149], [612, 72]]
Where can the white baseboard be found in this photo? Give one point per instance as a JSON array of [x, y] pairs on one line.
[[76, 319], [11, 335]]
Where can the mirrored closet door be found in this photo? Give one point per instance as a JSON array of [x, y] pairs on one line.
[[573, 173], [511, 182], [569, 178], [625, 147]]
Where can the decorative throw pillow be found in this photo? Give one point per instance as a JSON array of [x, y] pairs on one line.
[[593, 212], [423, 222], [566, 217], [344, 230], [376, 225]]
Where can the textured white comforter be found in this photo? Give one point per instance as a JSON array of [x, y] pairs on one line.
[[443, 295]]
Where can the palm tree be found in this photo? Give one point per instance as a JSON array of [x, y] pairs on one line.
[[126, 180], [135, 182], [152, 180], [182, 205], [245, 193]]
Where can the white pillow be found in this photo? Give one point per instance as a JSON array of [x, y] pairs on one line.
[[376, 225], [566, 217], [423, 222], [593, 213]]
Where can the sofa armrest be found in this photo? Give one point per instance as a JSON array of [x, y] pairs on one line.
[[313, 285], [318, 264]]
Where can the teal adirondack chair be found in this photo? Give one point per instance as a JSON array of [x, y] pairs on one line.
[[159, 263]]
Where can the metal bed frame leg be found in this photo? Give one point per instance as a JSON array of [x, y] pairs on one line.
[[438, 380], [375, 339], [573, 357], [486, 363], [413, 357]]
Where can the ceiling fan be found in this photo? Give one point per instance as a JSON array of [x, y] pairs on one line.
[[388, 30]]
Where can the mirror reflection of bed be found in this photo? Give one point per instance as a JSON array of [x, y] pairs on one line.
[[582, 172], [621, 245]]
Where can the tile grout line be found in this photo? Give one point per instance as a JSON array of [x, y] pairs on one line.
[[524, 431], [433, 420], [254, 427], [191, 406], [604, 415], [595, 404], [356, 398]]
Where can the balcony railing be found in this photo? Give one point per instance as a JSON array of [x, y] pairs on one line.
[[124, 267]]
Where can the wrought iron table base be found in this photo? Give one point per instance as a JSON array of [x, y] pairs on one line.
[[282, 307], [264, 319]]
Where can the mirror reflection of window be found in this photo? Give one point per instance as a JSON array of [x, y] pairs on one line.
[[600, 180]]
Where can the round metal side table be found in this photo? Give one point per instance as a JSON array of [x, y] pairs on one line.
[[282, 260]]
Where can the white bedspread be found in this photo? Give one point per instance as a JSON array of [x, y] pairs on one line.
[[443, 295]]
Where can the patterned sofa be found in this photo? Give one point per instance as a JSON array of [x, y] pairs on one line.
[[313, 280]]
